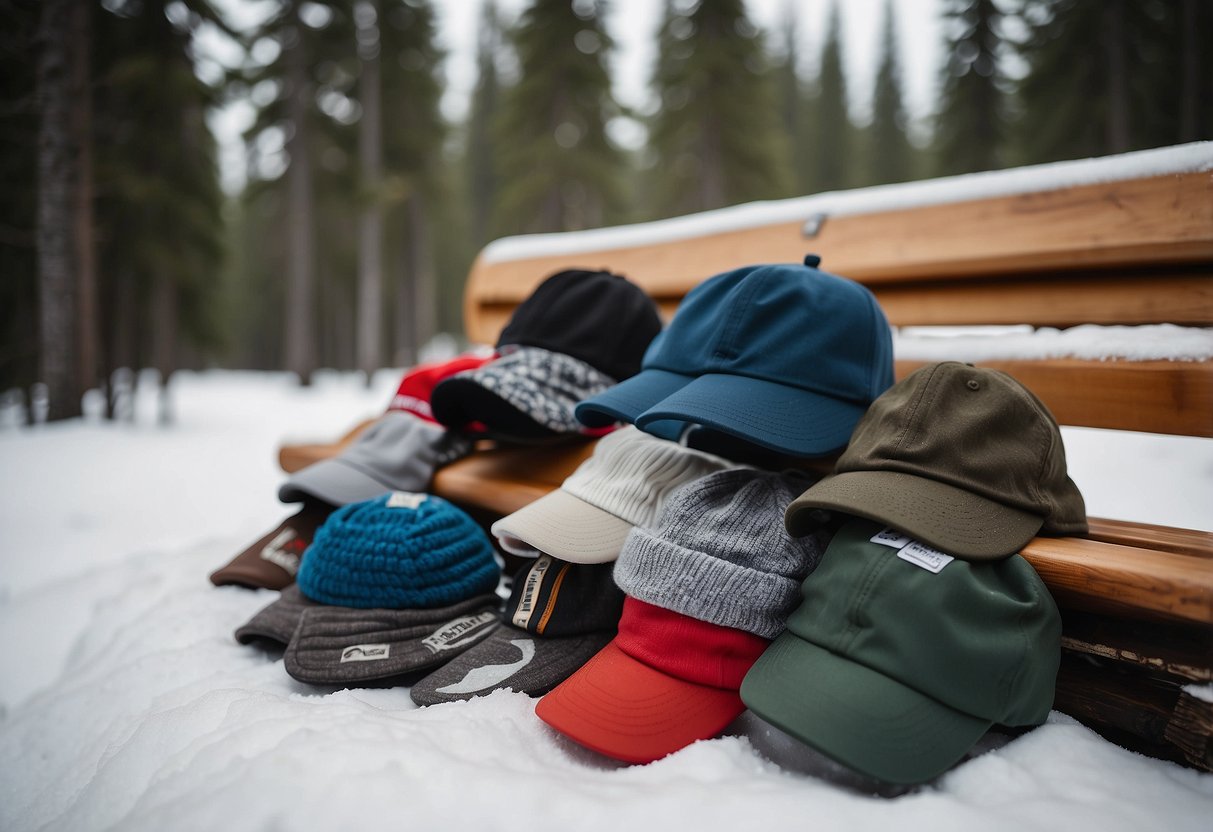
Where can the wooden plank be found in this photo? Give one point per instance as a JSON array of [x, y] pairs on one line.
[[1128, 224], [1173, 397], [1148, 536], [1124, 580], [503, 480], [1136, 711], [1180, 296], [1181, 653]]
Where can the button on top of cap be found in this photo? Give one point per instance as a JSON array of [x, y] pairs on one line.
[[812, 260]]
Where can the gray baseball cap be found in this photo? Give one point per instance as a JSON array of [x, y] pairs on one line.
[[399, 452]]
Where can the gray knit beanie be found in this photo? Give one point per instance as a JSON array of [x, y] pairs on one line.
[[719, 552]]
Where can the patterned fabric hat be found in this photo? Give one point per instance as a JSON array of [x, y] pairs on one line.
[[577, 334], [527, 394]]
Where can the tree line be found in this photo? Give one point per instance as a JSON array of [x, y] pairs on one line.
[[364, 206]]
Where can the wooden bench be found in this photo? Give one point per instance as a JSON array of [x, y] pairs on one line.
[[1121, 241]]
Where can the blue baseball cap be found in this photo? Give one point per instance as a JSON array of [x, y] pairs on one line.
[[786, 356]]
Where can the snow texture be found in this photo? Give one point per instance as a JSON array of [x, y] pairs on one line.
[[1156, 342], [125, 702], [1186, 158]]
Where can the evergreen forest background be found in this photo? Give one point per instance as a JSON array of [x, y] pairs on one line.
[[363, 208]]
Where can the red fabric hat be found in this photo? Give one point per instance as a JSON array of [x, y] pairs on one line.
[[665, 681], [413, 395]]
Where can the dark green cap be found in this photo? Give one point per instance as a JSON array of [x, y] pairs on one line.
[[963, 458], [900, 658]]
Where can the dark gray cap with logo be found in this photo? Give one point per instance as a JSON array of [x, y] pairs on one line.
[[559, 615], [344, 645]]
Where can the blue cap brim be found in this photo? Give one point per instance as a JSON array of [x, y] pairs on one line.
[[775, 416], [628, 399]]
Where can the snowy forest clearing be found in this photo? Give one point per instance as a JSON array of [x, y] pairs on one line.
[[128, 704]]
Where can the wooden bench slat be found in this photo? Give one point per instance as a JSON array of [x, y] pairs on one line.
[[1173, 397], [503, 480], [1172, 651], [1130, 297], [1190, 542], [1119, 226], [1124, 580]]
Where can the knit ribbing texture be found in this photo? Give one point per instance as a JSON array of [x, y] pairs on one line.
[[719, 552], [422, 554]]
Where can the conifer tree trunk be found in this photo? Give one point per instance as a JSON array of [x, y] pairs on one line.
[[1190, 84], [164, 337], [87, 338], [58, 178], [370, 224], [1117, 127], [299, 329], [422, 269]]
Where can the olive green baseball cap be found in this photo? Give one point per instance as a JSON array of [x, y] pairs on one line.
[[899, 657], [963, 458]]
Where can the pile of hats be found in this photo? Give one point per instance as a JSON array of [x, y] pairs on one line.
[[390, 587], [880, 615], [579, 333]]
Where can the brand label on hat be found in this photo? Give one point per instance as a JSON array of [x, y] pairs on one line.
[[365, 653], [892, 538], [530, 591], [284, 550], [925, 557], [405, 499], [458, 632]]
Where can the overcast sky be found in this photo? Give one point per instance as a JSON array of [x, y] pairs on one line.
[[633, 25]]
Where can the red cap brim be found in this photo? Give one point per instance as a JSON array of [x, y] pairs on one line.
[[621, 707]]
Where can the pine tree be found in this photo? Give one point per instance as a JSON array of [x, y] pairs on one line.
[[369, 318], [486, 100], [413, 191], [60, 145], [795, 104], [18, 196], [890, 155], [1113, 76], [304, 254], [558, 169], [832, 137], [971, 126], [159, 227], [716, 139]]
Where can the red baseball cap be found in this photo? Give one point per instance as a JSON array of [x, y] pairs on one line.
[[413, 395], [663, 682]]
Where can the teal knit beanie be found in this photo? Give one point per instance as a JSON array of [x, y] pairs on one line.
[[398, 551]]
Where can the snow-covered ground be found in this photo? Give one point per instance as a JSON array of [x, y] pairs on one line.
[[125, 702]]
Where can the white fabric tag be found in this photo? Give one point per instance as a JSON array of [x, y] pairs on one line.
[[365, 653], [457, 632], [405, 499], [892, 538], [530, 591], [925, 557]]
